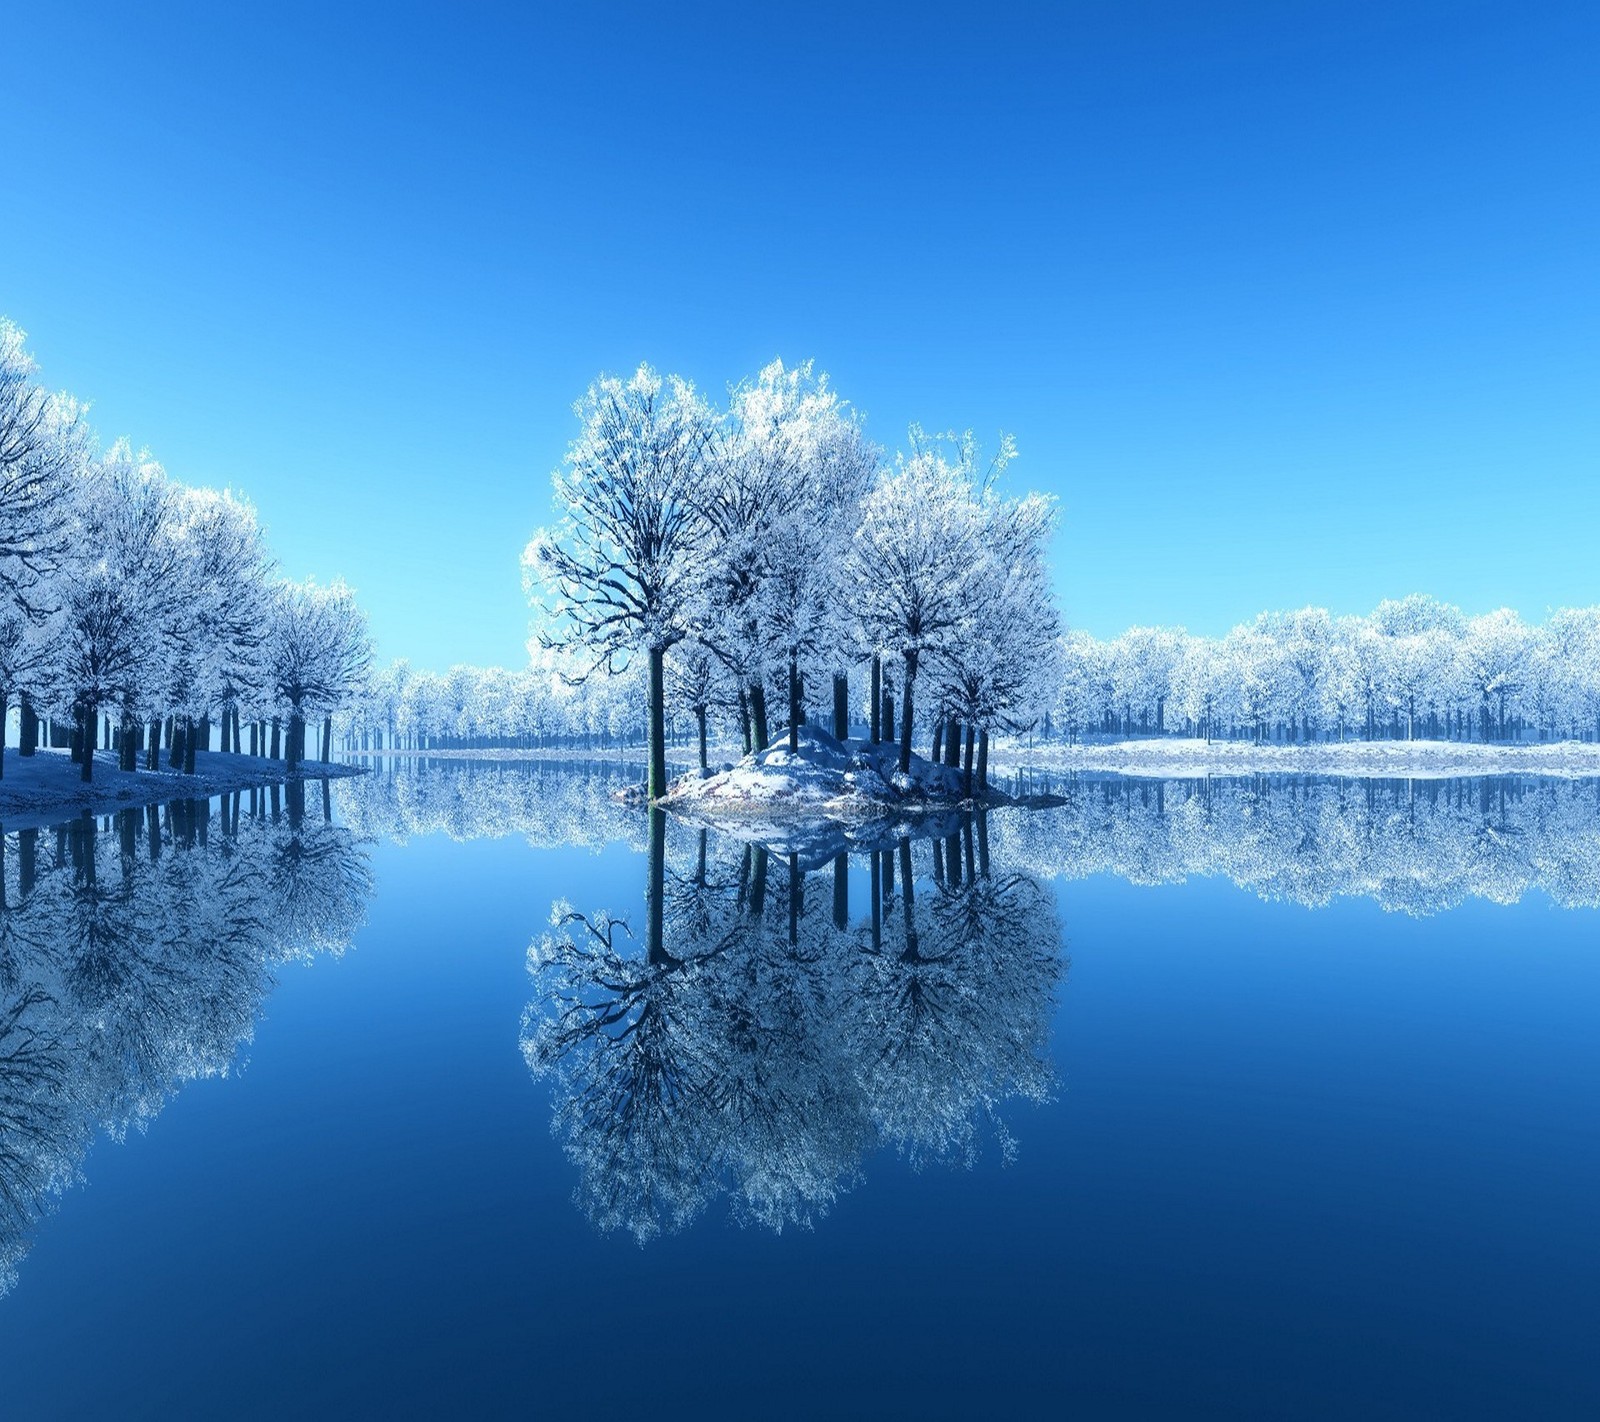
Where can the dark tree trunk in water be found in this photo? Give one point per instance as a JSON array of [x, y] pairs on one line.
[[327, 739], [293, 740], [876, 728], [952, 744], [28, 731], [888, 715], [758, 883], [906, 712], [794, 702], [658, 725], [191, 737], [700, 728], [841, 890], [203, 733], [758, 714], [983, 764], [911, 954], [841, 708], [152, 757], [276, 731], [938, 738], [656, 890], [966, 773]]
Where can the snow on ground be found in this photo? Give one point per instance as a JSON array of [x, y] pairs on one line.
[[47, 787], [845, 781], [1174, 756]]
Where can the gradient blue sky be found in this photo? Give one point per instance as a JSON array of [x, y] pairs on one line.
[[1286, 302]]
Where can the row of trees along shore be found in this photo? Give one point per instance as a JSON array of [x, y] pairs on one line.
[[139, 612], [1415, 667], [731, 551]]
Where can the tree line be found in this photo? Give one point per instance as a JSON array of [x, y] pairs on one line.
[[1415, 667], [136, 612]]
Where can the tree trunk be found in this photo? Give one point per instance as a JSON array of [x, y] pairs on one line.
[[841, 707], [905, 714], [191, 738], [983, 764], [86, 740], [938, 738], [28, 730], [276, 734], [327, 739], [5, 711], [794, 702], [758, 714], [658, 724], [966, 775], [700, 727], [877, 699], [952, 743]]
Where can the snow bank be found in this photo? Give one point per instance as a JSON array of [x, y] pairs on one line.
[[47, 787]]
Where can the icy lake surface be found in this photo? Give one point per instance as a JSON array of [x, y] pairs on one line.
[[1248, 1098]]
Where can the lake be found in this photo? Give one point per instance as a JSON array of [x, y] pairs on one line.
[[463, 1090]]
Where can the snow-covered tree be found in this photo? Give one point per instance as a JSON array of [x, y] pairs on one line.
[[617, 577], [317, 654], [916, 556]]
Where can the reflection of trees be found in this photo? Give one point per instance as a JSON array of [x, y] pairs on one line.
[[1417, 847], [135, 953], [546, 802], [954, 1008], [761, 1042]]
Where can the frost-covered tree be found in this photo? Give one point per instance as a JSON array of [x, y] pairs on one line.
[[116, 591], [816, 466], [617, 577], [916, 555], [317, 654], [42, 449]]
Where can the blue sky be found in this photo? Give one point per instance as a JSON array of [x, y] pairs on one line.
[[1286, 302]]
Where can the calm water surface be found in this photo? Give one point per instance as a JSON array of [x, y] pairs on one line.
[[1239, 1099]]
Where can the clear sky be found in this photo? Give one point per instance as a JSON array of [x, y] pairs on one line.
[[1287, 302]]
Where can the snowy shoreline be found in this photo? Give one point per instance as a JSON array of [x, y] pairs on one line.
[[46, 788]]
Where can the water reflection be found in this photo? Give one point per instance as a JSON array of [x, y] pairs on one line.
[[1415, 846], [136, 950], [762, 1038]]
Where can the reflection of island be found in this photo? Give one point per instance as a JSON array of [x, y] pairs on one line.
[[1415, 846], [759, 1040], [135, 953]]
